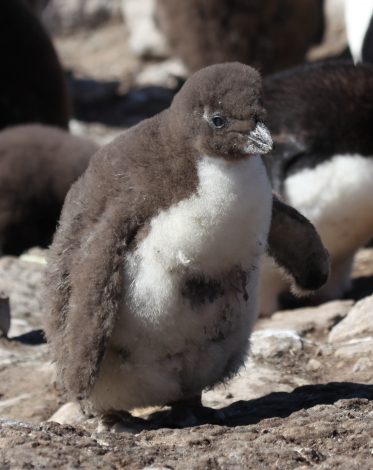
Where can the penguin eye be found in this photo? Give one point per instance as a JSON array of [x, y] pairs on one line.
[[218, 121]]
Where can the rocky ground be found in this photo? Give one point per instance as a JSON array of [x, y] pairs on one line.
[[303, 400], [305, 396]]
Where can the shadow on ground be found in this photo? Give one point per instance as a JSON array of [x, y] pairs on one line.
[[279, 404]]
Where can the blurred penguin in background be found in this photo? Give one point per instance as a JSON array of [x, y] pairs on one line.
[[267, 34], [38, 164], [359, 23], [32, 84], [321, 119], [37, 6]]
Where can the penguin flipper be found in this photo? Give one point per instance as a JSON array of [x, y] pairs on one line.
[[84, 313], [296, 247]]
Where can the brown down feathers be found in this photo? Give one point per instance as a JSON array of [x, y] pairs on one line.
[[146, 169]]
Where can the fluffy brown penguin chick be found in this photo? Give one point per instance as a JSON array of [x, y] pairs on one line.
[[156, 259], [32, 84], [268, 34], [38, 164]]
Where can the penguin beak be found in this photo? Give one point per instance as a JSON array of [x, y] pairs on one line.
[[260, 140]]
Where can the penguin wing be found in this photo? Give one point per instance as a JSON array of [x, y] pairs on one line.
[[295, 245], [84, 289]]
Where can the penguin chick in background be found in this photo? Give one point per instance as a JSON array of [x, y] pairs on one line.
[[38, 164], [151, 286], [268, 34], [321, 120]]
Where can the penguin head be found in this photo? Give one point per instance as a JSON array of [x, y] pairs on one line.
[[219, 110]]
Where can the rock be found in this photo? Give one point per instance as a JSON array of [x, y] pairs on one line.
[[66, 16], [358, 324], [26, 377], [272, 366], [315, 320], [271, 343], [69, 413], [363, 364], [313, 365], [20, 280]]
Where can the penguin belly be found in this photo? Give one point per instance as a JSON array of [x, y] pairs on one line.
[[190, 291]]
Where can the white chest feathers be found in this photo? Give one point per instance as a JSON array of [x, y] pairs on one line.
[[223, 224], [191, 291]]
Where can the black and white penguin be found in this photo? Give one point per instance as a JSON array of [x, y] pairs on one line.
[[38, 164], [359, 26], [158, 250], [268, 34], [321, 120], [32, 84]]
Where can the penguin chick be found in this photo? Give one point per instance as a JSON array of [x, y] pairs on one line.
[[32, 84], [268, 34], [321, 116], [157, 254], [38, 164]]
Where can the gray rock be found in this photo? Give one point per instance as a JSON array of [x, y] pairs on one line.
[[319, 320], [27, 389], [358, 324], [20, 280], [69, 413], [272, 343]]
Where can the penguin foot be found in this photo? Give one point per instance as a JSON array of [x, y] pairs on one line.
[[186, 413], [122, 421]]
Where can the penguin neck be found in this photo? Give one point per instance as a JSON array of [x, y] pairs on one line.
[[174, 134]]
